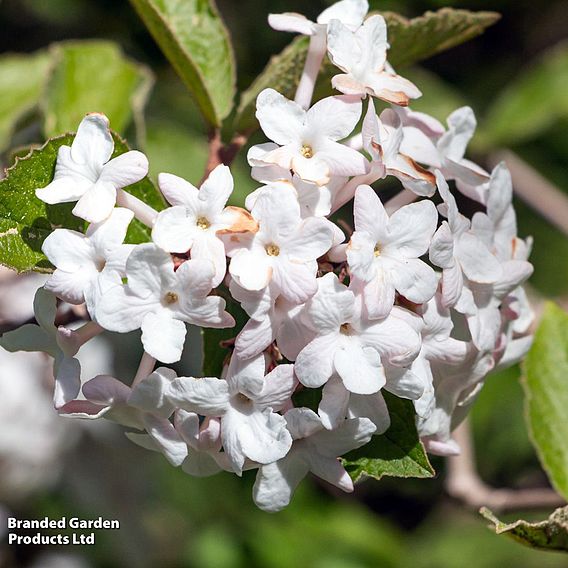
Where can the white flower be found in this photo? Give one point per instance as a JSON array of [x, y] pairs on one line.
[[383, 139], [314, 449], [383, 252], [362, 55], [85, 173], [86, 265], [284, 250], [350, 12], [350, 345], [198, 217], [308, 140], [458, 251], [160, 300], [246, 402], [45, 337]]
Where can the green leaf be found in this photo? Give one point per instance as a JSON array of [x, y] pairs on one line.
[[25, 221], [22, 78], [194, 39], [546, 389], [396, 453], [411, 41], [533, 102], [94, 76], [551, 534]]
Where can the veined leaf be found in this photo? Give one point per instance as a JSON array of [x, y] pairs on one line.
[[411, 41], [551, 534], [546, 388], [396, 453], [25, 220], [194, 39], [94, 76], [22, 78]]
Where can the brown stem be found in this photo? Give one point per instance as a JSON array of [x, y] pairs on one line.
[[463, 483], [220, 153]]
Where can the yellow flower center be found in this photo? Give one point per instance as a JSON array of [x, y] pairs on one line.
[[203, 223], [272, 250], [307, 151], [171, 298], [378, 249], [346, 329]]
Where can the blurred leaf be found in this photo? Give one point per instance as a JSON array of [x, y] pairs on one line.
[[22, 78], [194, 39], [94, 76], [25, 220], [411, 41], [551, 534], [546, 389], [533, 102], [396, 453]]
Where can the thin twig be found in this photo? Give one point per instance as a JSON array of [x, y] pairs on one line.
[[220, 153], [463, 483]]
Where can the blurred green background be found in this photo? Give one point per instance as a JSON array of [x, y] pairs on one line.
[[169, 519]]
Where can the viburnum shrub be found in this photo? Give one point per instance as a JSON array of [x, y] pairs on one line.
[[412, 301]]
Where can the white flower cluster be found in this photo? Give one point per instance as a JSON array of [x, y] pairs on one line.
[[419, 300]]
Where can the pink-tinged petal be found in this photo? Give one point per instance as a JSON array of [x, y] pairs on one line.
[[411, 228], [444, 448], [369, 212], [195, 277], [230, 426], [105, 390], [342, 46], [173, 230], [478, 264], [71, 287], [373, 407], [207, 396], [209, 312], [373, 37], [332, 408], [187, 424], [315, 169], [281, 120], [208, 247], [379, 295], [418, 145], [347, 85], [65, 188], [452, 285], [246, 375], [393, 88], [255, 337], [200, 464], [150, 394], [97, 203], [342, 160], [280, 157], [394, 339], [404, 382], [264, 437], [277, 389], [296, 281], [350, 12], [276, 482], [361, 256], [150, 271], [500, 192], [251, 269], [67, 381], [330, 470], [332, 305], [412, 176], [68, 250], [313, 239], [462, 126], [314, 364], [442, 247], [302, 422], [345, 111], [414, 279], [216, 190], [163, 337], [352, 434], [93, 145], [291, 22], [82, 409], [168, 440], [256, 303], [293, 335], [360, 373], [108, 235], [126, 169], [120, 310], [178, 191]]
